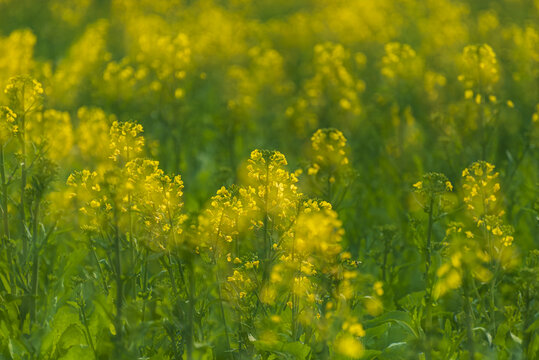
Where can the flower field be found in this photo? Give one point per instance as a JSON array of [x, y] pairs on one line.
[[269, 179]]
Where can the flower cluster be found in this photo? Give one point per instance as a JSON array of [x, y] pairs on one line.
[[465, 257], [271, 187], [318, 233], [400, 62], [52, 130], [481, 186], [92, 131], [157, 199], [431, 189], [333, 89], [25, 94], [125, 140], [222, 220], [433, 183], [480, 71], [329, 153], [8, 126]]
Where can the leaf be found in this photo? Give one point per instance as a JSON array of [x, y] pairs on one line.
[[299, 350], [391, 316], [397, 344], [72, 336], [16, 349], [534, 326], [78, 352], [408, 327], [488, 335], [515, 338], [5, 283], [370, 354], [376, 331]]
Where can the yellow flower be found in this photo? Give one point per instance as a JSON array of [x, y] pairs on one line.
[[378, 288], [349, 346], [356, 330]]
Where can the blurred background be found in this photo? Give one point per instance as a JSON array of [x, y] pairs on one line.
[[414, 85]]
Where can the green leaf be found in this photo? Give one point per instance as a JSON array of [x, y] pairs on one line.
[[72, 336], [370, 354]]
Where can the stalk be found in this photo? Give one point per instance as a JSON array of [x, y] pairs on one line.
[[526, 324], [222, 309], [119, 285], [492, 290], [468, 314], [267, 246], [294, 300], [5, 218], [329, 188], [145, 284], [87, 328], [131, 238], [35, 264], [22, 212], [191, 311], [384, 262], [428, 305], [105, 288]]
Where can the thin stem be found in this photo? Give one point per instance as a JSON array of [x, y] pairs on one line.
[[329, 188], [490, 244], [468, 313], [526, 323], [191, 311], [294, 300], [384, 262], [87, 328], [428, 290], [22, 212], [35, 264], [119, 284], [105, 287], [222, 309], [5, 218], [267, 240], [145, 284]]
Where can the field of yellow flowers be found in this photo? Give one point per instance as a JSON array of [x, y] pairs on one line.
[[269, 179]]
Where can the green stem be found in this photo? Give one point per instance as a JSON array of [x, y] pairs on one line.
[[87, 328], [267, 245], [526, 324], [22, 212], [5, 218], [35, 264], [492, 290], [191, 312], [119, 285], [329, 188], [222, 309], [294, 300], [428, 290], [384, 261], [105, 287], [145, 284], [468, 313]]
